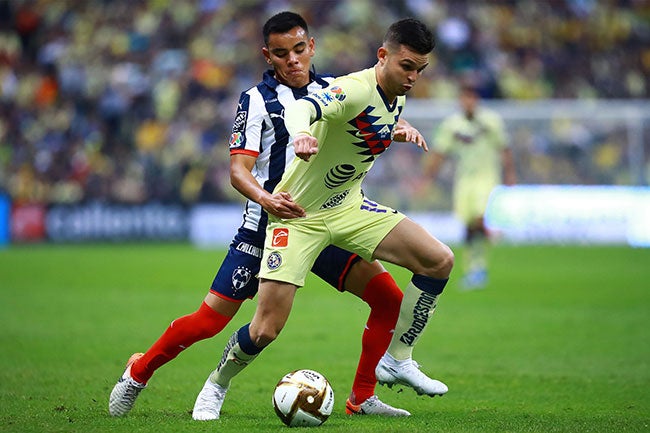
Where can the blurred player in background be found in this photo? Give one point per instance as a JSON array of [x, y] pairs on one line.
[[260, 151], [337, 134], [475, 138]]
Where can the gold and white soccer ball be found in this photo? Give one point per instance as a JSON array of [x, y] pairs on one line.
[[303, 398]]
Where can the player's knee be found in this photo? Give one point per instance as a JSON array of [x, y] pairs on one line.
[[447, 262], [442, 264]]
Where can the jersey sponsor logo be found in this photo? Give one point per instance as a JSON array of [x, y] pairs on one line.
[[335, 199], [274, 261], [423, 309], [467, 139], [376, 136], [324, 97], [338, 175], [240, 121], [279, 115], [240, 278], [249, 249], [280, 238]]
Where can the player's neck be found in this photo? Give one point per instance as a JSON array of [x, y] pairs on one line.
[[390, 97]]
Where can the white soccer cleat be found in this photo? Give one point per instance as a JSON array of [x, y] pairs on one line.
[[390, 371], [209, 401], [374, 406], [125, 391]]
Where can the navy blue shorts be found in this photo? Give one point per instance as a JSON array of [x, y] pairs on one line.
[[236, 279]]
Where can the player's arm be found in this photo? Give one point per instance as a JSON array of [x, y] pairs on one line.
[[433, 167], [442, 142], [298, 117], [344, 94], [241, 178], [507, 158], [405, 132], [508, 163]]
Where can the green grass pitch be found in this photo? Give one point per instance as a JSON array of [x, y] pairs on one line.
[[558, 342]]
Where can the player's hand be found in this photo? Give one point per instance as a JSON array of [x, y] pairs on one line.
[[282, 206], [404, 132], [305, 146]]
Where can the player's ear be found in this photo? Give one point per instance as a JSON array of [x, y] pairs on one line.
[[382, 53], [267, 55], [312, 47]]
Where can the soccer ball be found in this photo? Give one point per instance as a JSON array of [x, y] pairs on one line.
[[303, 398]]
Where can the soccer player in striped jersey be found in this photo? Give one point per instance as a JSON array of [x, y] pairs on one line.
[[260, 152], [338, 133]]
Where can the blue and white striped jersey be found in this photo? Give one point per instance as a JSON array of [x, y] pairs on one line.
[[259, 131]]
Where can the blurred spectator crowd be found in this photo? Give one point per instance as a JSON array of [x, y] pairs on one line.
[[133, 101]]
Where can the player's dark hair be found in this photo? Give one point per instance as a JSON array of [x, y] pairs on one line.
[[282, 23], [411, 33]]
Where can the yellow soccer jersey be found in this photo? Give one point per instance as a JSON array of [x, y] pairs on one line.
[[353, 123], [475, 144]]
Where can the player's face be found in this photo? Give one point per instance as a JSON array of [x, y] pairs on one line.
[[399, 69], [468, 101], [290, 55]]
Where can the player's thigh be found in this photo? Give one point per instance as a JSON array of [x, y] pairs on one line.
[[236, 278], [361, 229], [291, 255], [333, 265], [482, 197], [462, 201], [274, 303], [411, 246], [471, 198]]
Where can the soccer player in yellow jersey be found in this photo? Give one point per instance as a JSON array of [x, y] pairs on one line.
[[338, 132], [475, 138]]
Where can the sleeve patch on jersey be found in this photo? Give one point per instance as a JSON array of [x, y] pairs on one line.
[[324, 97], [235, 139], [338, 92]]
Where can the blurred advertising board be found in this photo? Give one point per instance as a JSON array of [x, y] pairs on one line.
[[571, 214], [114, 222], [27, 223]]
